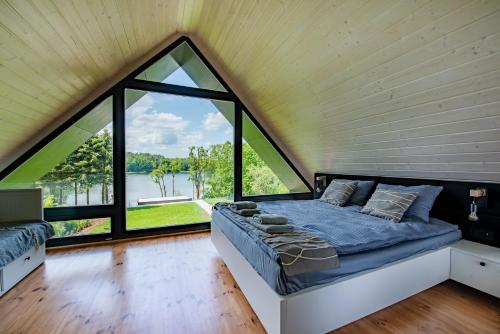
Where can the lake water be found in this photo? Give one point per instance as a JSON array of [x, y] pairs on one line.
[[138, 186], [142, 186]]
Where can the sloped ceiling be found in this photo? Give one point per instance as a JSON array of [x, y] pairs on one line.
[[402, 88]]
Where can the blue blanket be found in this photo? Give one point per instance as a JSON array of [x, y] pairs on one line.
[[334, 224], [350, 231], [15, 240]]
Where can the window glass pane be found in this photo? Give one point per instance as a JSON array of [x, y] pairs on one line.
[[76, 168], [71, 228], [179, 158], [265, 172], [184, 68]]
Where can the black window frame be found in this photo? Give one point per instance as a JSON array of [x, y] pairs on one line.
[[117, 211]]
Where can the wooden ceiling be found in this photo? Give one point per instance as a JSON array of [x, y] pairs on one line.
[[403, 88]]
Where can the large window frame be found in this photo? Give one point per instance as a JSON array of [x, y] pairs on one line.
[[117, 210]]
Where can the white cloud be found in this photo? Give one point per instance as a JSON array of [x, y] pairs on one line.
[[194, 138], [152, 131], [141, 106], [214, 121], [155, 119]]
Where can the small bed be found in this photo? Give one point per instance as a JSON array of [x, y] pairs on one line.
[[23, 233], [381, 263]]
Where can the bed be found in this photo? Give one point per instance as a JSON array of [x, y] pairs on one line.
[[344, 227], [380, 263], [23, 233]]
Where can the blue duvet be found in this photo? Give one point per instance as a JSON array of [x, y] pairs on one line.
[[351, 231], [362, 242]]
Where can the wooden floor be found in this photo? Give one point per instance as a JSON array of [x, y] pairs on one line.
[[180, 285]]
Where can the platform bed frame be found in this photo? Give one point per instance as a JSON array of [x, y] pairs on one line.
[[327, 307]]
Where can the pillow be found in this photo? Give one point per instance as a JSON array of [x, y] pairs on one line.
[[389, 204], [423, 204], [362, 191], [338, 193]]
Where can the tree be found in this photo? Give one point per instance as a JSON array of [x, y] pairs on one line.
[[157, 176], [264, 181], [258, 178], [146, 162], [57, 181], [71, 171], [49, 202], [90, 164], [175, 167], [103, 163], [220, 170], [164, 168], [84, 166], [198, 166]]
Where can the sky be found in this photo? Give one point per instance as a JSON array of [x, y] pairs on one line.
[[168, 124]]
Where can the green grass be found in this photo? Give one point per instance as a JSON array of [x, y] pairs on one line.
[[214, 200], [160, 215]]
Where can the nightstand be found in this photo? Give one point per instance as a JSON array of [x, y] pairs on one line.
[[483, 232], [476, 265]]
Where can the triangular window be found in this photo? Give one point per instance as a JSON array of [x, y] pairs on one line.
[[265, 172], [182, 67], [153, 154]]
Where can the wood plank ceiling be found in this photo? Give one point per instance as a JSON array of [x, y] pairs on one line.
[[403, 88]]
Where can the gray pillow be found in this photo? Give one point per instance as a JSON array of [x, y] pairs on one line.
[[389, 204], [420, 209], [362, 191], [338, 193]]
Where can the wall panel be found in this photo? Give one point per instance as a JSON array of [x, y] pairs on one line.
[[403, 88]]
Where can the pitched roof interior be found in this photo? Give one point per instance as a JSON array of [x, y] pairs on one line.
[[364, 87]]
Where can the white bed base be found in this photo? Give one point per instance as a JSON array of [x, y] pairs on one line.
[[20, 205], [327, 307]]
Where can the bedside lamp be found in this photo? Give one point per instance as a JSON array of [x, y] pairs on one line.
[[320, 183], [475, 193]]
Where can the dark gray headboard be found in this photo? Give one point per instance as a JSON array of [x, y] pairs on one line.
[[452, 205]]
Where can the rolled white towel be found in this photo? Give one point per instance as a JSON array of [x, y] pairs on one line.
[[271, 219], [243, 205], [271, 229], [245, 212]]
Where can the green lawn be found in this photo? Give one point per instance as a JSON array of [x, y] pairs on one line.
[[213, 201], [160, 215]]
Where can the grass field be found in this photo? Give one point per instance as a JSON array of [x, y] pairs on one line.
[[213, 201], [160, 215]]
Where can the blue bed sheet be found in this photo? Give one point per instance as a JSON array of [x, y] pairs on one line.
[[360, 242], [17, 239]]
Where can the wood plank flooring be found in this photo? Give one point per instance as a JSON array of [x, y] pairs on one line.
[[180, 285]]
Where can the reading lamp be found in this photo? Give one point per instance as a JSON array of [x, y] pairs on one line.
[[475, 193], [320, 183]]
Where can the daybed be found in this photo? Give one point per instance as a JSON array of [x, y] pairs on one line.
[[22, 235]]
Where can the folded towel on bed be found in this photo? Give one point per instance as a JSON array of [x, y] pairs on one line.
[[271, 229], [245, 212], [296, 250], [243, 205], [271, 219]]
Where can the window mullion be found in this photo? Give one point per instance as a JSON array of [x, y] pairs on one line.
[[238, 156], [118, 221]]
